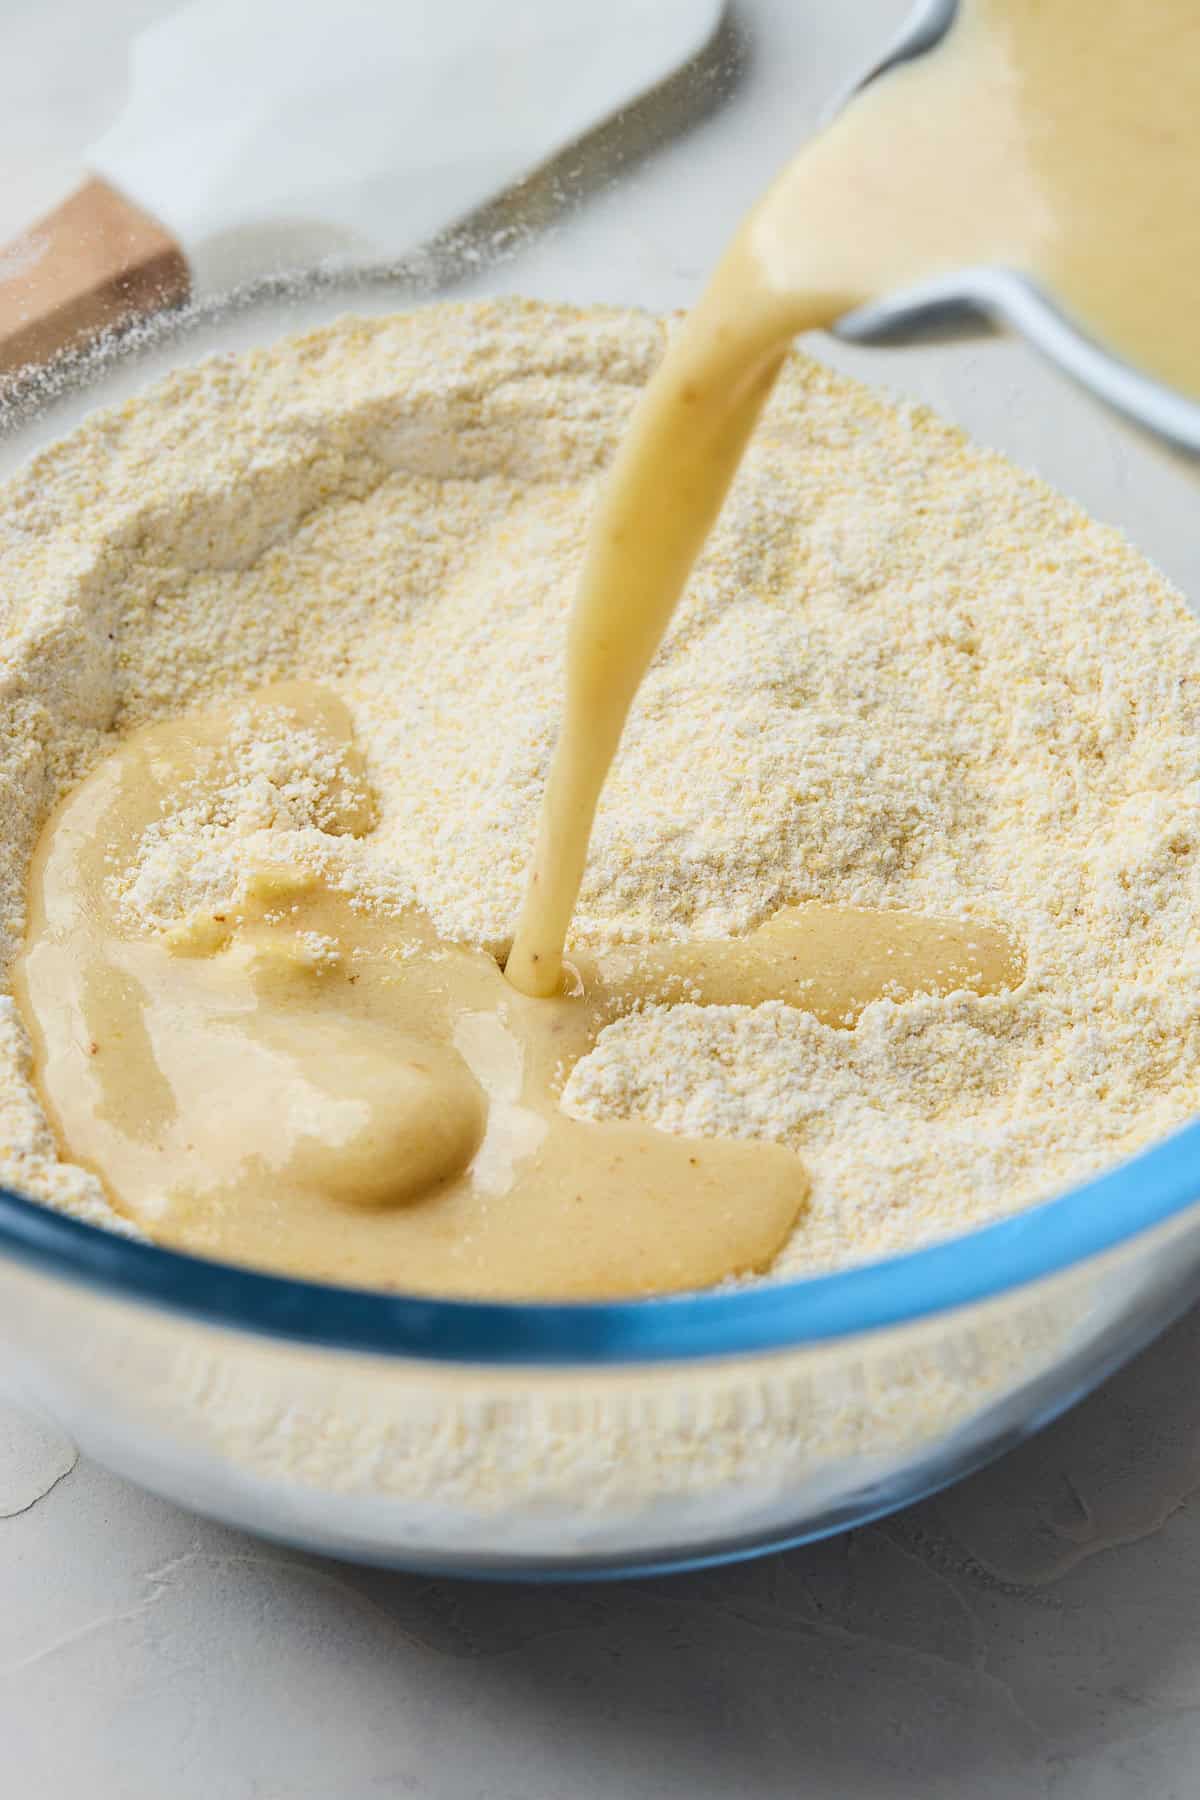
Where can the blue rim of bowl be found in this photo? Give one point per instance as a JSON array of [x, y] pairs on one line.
[[1042, 1241]]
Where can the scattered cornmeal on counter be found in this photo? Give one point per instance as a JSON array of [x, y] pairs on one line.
[[911, 702]]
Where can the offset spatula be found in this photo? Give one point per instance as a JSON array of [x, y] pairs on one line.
[[263, 135]]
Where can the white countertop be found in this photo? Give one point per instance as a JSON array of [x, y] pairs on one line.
[[1033, 1632]]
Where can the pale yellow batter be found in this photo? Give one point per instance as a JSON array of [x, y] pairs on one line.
[[305, 1084], [1050, 134]]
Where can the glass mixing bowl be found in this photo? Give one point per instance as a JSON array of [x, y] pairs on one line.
[[599, 1439], [589, 1439]]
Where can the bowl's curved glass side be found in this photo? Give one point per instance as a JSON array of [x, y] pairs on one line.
[[1148, 1191], [495, 1470]]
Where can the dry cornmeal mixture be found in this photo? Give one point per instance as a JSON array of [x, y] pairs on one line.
[[904, 674]]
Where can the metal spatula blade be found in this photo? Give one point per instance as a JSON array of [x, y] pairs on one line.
[[286, 132], [276, 135]]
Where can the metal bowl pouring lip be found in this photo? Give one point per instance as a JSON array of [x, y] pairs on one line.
[[1006, 296], [1045, 1240], [1010, 298]]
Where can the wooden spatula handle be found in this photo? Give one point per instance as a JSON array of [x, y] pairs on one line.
[[96, 261]]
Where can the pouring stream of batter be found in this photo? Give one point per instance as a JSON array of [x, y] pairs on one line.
[[1050, 135]]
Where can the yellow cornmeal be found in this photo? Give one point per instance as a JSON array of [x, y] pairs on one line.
[[904, 675]]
